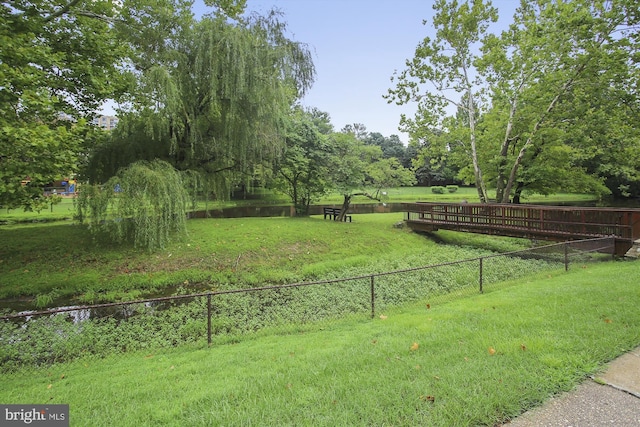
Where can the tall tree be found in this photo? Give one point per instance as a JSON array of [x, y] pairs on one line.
[[58, 63], [519, 109], [552, 51], [447, 65], [303, 172], [221, 92], [60, 60]]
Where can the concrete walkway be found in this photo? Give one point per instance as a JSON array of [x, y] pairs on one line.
[[609, 399]]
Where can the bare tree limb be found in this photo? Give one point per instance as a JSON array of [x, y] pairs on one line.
[[65, 9]]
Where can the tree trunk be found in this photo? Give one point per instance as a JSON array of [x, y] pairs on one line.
[[303, 208], [518, 192], [477, 172], [536, 127], [504, 151], [345, 207]]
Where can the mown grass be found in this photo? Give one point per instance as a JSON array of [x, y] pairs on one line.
[[480, 360], [65, 209], [60, 261]]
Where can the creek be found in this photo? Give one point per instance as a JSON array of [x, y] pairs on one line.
[[78, 313]]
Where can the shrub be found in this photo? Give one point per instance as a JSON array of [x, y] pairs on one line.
[[437, 189], [452, 188], [145, 203]]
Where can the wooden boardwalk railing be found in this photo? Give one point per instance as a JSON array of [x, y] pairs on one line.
[[540, 222]]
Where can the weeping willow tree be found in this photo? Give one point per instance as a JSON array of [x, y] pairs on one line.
[[219, 95], [207, 112], [145, 203]]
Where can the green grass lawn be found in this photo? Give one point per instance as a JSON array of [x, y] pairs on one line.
[[48, 262], [480, 360]]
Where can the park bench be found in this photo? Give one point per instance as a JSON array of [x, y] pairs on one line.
[[334, 213]]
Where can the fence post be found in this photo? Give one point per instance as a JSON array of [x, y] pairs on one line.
[[481, 275], [566, 257], [373, 298], [209, 319]]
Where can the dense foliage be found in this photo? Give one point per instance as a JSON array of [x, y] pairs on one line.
[[548, 104], [302, 173], [58, 63], [360, 169], [351, 162], [145, 203], [51, 339], [218, 98]]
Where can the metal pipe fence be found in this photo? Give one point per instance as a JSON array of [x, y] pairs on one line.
[[49, 335]]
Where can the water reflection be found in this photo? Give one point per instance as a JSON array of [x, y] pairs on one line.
[[78, 314]]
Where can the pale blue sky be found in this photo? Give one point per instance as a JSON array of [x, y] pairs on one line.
[[357, 45]]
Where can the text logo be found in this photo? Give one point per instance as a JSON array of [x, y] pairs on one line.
[[34, 415]]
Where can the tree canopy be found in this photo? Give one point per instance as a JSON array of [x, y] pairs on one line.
[[60, 60], [359, 169], [303, 171], [216, 97], [531, 101], [58, 63], [351, 162], [145, 203]]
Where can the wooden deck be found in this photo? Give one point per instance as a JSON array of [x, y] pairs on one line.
[[529, 221]]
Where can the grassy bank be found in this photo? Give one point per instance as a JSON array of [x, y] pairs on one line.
[[44, 263], [475, 361]]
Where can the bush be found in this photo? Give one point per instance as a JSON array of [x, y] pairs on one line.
[[452, 188], [437, 189], [145, 203]]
